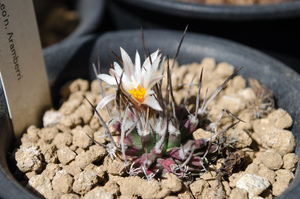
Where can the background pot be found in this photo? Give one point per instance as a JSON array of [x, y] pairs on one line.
[[54, 20], [276, 76], [269, 28]]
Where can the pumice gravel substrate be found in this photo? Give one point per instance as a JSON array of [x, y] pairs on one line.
[[61, 161]]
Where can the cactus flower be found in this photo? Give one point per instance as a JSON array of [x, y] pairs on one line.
[[136, 80]]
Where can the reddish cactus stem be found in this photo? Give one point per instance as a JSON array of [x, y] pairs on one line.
[[166, 163]]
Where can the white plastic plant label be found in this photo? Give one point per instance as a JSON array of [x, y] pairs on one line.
[[22, 67]]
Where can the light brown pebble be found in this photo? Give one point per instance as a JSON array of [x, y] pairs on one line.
[[238, 193], [99, 192], [290, 161], [224, 69], [247, 94], [53, 194], [253, 184], [62, 128], [208, 63], [234, 178], [267, 173], [40, 183], [128, 197], [201, 133], [70, 196], [80, 137], [285, 176], [30, 174], [112, 186], [113, 166], [50, 170], [279, 187], [172, 182], [71, 169], [171, 197], [238, 82], [232, 103], [29, 159], [280, 119], [252, 168], [93, 98], [185, 193], [95, 87], [79, 150], [49, 153], [51, 118], [135, 186], [62, 139], [197, 187], [247, 117], [65, 155], [84, 181], [79, 85], [84, 159], [48, 133], [71, 120], [62, 181], [98, 170], [270, 159], [85, 113], [69, 106], [98, 151], [31, 135], [226, 187], [73, 147], [99, 137], [242, 138], [78, 95], [211, 193], [282, 141], [179, 97], [95, 123]]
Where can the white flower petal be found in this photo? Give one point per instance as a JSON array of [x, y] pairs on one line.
[[155, 65], [154, 80], [137, 63], [118, 69], [107, 78], [153, 103], [127, 62], [105, 101], [149, 92], [153, 56]]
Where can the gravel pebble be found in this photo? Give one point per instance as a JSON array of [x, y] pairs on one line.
[[29, 159], [253, 184]]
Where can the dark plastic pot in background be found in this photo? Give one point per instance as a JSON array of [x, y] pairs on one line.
[[271, 28], [90, 15], [276, 76], [69, 56]]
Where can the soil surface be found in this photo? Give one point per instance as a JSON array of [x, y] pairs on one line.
[[61, 160]]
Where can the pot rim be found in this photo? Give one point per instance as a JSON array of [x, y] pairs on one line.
[[220, 12]]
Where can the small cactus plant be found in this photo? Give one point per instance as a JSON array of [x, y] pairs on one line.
[[155, 133]]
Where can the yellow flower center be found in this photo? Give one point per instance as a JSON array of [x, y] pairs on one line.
[[138, 93]]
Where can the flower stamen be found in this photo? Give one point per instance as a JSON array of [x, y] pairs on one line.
[[138, 93]]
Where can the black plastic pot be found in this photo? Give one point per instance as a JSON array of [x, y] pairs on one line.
[[270, 28], [90, 14], [276, 76], [217, 12]]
